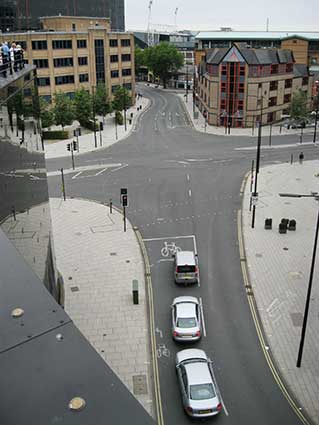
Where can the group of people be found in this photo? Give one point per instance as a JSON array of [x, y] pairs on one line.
[[11, 58]]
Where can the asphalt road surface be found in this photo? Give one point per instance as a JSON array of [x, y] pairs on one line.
[[183, 189]]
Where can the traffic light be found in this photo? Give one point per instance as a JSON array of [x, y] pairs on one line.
[[75, 145], [68, 146], [123, 191], [101, 126], [124, 200]]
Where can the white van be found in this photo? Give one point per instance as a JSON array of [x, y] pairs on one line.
[[186, 267]]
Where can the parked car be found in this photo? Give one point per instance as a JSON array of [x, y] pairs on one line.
[[200, 394], [186, 319], [186, 267]]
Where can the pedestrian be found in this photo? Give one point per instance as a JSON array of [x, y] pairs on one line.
[[301, 157], [5, 58]]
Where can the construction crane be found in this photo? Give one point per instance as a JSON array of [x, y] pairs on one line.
[[175, 20], [150, 35]]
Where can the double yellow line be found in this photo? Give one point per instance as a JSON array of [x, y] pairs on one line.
[[157, 389], [255, 316]]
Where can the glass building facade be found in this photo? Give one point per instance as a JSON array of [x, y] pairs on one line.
[[24, 201]]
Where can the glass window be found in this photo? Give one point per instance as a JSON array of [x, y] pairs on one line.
[[126, 72], [39, 45], [202, 392], [114, 58], [114, 73], [62, 44], [64, 79], [186, 322], [113, 43], [186, 269], [83, 60], [81, 44], [83, 78], [273, 85], [125, 42], [41, 63], [43, 81], [288, 84], [126, 58], [61, 62]]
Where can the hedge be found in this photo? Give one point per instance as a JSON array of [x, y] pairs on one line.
[[56, 135], [119, 118]]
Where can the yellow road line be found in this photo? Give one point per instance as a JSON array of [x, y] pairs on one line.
[[258, 325]]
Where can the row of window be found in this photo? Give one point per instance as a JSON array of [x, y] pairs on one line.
[[61, 62], [125, 73], [63, 79], [67, 44], [125, 58]]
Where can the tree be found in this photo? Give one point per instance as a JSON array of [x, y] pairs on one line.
[[46, 113], [122, 99], [299, 108], [83, 106], [102, 104], [139, 59], [163, 60], [63, 109]]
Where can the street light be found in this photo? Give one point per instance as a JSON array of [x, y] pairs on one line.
[[305, 317], [316, 119]]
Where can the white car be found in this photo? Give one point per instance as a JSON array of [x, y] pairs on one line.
[[197, 384], [186, 319]]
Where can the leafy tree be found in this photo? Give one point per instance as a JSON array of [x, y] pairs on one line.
[[101, 102], [163, 60], [46, 113], [140, 59], [63, 109], [122, 99], [299, 108], [83, 106]]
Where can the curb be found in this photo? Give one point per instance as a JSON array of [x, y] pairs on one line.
[[272, 364], [190, 121]]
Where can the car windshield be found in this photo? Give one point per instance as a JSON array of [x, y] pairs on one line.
[[186, 269], [202, 391], [186, 322]]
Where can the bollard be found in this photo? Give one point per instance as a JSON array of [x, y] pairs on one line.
[[135, 291], [111, 204], [13, 210], [291, 158]]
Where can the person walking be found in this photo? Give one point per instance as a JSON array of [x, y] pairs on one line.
[[301, 157], [5, 58]]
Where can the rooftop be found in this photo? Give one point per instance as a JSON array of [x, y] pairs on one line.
[[254, 35]]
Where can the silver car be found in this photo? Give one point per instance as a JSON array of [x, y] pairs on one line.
[[186, 319], [197, 383]]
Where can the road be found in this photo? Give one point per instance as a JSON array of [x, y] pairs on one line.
[[184, 189]]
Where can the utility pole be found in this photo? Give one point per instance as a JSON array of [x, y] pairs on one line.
[[316, 119], [186, 83], [63, 184], [94, 127], [255, 193]]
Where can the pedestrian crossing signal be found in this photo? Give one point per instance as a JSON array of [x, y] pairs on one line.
[[68, 146], [124, 200]]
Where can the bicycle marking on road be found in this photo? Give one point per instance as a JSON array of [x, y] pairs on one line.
[[162, 350], [169, 248]]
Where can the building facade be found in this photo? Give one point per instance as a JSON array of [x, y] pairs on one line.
[[22, 15], [70, 53], [240, 87], [304, 45]]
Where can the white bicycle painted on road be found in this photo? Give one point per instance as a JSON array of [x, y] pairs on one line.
[[169, 249]]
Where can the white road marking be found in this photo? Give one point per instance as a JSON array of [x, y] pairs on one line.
[[165, 259], [202, 314], [188, 177], [159, 332], [100, 172], [190, 192], [76, 175], [122, 166], [165, 238]]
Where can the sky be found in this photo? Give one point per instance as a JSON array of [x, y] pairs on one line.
[[247, 15]]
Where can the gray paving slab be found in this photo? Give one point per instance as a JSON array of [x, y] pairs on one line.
[[279, 267], [98, 267]]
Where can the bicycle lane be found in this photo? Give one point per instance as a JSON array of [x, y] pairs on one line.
[[160, 252]]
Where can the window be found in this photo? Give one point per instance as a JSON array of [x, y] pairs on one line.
[[288, 84], [240, 105], [305, 81], [64, 79], [126, 72], [82, 60], [289, 67], [272, 101], [43, 81], [61, 44], [83, 78], [73, 27], [39, 45], [223, 87], [114, 58], [224, 69], [115, 73], [99, 60], [114, 88], [241, 87], [126, 42], [126, 58], [113, 43], [274, 69], [81, 44], [61, 62], [287, 98], [273, 85], [41, 63], [270, 117], [242, 70]]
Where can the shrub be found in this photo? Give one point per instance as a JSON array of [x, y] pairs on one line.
[[55, 135], [119, 118]]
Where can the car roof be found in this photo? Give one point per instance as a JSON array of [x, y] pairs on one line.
[[185, 299], [186, 309], [189, 354], [198, 373], [185, 257]]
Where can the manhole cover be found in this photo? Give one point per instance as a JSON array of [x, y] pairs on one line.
[[139, 384], [296, 319], [113, 253], [74, 288], [285, 248]]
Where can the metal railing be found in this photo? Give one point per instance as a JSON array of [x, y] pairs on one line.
[[11, 63]]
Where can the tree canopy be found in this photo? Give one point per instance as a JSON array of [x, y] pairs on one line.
[[122, 99], [101, 102], [299, 108], [82, 106], [163, 60], [63, 109]]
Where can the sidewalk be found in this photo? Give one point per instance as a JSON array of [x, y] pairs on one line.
[[199, 124], [110, 134], [278, 268], [98, 262]]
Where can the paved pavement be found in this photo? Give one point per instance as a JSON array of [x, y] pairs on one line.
[[98, 262], [110, 134], [278, 269]]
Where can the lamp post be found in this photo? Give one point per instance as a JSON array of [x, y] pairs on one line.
[[316, 119], [94, 128], [255, 193], [314, 251], [186, 93]]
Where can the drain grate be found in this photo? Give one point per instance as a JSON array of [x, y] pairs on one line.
[[74, 288], [139, 384]]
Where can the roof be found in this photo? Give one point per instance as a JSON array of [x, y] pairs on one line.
[[300, 70], [254, 35], [186, 309], [250, 56], [185, 257], [198, 373]]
